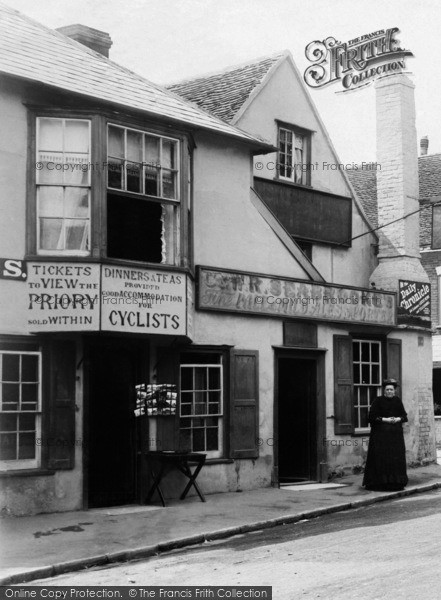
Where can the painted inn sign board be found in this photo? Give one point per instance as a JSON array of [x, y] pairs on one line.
[[251, 293]]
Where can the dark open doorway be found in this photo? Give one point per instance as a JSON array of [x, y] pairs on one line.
[[113, 371], [297, 419]]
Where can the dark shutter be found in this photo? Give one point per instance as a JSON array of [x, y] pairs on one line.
[[343, 385], [61, 437], [244, 407], [167, 427], [394, 360]]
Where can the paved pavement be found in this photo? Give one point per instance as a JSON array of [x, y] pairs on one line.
[[46, 545]]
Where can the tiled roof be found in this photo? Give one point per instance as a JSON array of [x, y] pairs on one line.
[[364, 182], [34, 52], [223, 94]]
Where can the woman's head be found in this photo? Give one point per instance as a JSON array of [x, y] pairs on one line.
[[389, 387]]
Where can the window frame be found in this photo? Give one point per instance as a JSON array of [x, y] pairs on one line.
[[100, 119], [306, 134], [38, 186], [357, 386], [36, 462]]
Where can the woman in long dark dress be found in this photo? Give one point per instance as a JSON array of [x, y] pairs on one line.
[[386, 460]]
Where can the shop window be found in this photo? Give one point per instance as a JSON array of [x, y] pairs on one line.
[[201, 407], [63, 186], [367, 379], [20, 416], [293, 156], [143, 220], [360, 365]]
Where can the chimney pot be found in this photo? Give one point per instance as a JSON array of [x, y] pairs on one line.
[[97, 40], [424, 145]]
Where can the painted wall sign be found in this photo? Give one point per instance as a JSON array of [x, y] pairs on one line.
[[11, 268], [63, 297], [414, 298], [143, 301], [280, 297]]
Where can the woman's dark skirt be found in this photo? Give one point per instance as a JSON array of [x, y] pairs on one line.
[[386, 460]]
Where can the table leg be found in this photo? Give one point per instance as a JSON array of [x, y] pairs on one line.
[[155, 486], [192, 480]]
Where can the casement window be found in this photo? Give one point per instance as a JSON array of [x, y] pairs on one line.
[[360, 365], [63, 186], [366, 357], [37, 405], [143, 201], [201, 408], [294, 155], [20, 416], [219, 403]]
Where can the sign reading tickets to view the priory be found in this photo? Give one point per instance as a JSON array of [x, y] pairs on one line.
[[91, 297]]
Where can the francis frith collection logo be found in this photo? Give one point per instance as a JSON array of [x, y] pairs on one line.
[[356, 63]]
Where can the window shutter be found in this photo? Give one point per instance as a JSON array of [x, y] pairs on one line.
[[394, 359], [61, 437], [244, 407], [343, 385]]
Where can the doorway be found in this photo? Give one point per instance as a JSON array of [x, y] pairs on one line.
[[114, 368], [297, 419]]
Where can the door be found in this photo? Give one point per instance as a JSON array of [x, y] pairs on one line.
[[113, 372], [297, 419]]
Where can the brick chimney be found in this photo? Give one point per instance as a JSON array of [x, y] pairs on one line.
[[97, 40], [397, 184], [424, 145]]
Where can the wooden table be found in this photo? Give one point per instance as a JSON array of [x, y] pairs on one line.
[[169, 461]]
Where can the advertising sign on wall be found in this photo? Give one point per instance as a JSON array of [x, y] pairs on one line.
[[414, 298], [63, 297], [280, 297], [143, 301]]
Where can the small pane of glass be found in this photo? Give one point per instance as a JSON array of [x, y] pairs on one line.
[[212, 439], [186, 397], [116, 142], [51, 171], [214, 378], [11, 367], [186, 409], [26, 446], [8, 446], [151, 179], [76, 169], [365, 356], [50, 135], [134, 177], [356, 370], [77, 234], [151, 156], [200, 408], [168, 154], [363, 397], [375, 350], [76, 136], [26, 422], [114, 173], [185, 440], [134, 146], [364, 412], [29, 367], [213, 408], [11, 396], [198, 440], [214, 396], [375, 374], [168, 184], [365, 374], [50, 202], [29, 393], [8, 422], [76, 202], [186, 378], [200, 378], [51, 234]]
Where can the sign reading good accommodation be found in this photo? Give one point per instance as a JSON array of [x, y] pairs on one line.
[[143, 301], [63, 297], [279, 297], [414, 298]]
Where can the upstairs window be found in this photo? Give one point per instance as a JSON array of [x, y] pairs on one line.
[[63, 186], [293, 157], [143, 210]]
